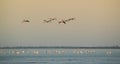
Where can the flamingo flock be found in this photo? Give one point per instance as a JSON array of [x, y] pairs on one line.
[[49, 20]]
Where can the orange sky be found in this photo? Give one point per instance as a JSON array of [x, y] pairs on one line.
[[97, 22]]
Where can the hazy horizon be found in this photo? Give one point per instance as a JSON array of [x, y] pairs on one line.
[[97, 23]]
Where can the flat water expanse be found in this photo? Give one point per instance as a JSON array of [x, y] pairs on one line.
[[59, 56]]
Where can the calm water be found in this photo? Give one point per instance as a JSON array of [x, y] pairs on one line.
[[59, 56]]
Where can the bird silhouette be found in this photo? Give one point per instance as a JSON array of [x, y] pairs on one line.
[[49, 20], [25, 21], [64, 21], [52, 19], [71, 19], [46, 21]]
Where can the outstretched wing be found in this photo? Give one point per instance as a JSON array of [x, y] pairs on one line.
[[69, 19], [46, 21], [63, 21], [25, 20]]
